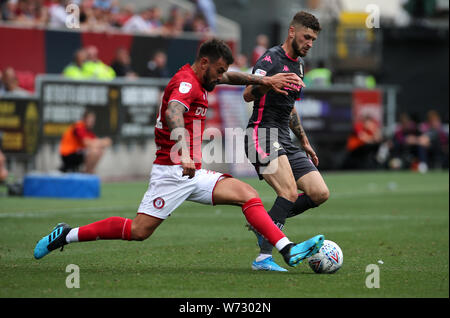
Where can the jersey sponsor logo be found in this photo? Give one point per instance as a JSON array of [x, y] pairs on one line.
[[201, 111], [267, 58], [185, 87], [158, 203], [260, 72]]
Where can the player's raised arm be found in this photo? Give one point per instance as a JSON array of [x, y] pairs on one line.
[[175, 122], [276, 82], [299, 132]]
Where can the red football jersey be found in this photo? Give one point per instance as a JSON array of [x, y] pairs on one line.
[[185, 88]]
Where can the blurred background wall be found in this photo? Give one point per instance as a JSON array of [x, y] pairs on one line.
[[388, 58]]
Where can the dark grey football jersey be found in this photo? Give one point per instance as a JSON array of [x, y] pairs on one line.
[[273, 109]]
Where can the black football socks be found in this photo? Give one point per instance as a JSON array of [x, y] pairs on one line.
[[279, 212], [302, 204]]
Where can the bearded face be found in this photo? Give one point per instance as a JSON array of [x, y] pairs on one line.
[[303, 40], [208, 82], [296, 49], [213, 73]]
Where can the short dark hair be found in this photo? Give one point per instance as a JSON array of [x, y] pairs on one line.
[[307, 20], [87, 112], [215, 49]]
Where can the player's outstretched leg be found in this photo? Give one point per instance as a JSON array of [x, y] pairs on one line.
[[56, 239], [231, 191], [304, 250], [297, 253], [282, 180], [112, 228], [267, 264]]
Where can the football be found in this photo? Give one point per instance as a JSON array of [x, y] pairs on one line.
[[328, 260]]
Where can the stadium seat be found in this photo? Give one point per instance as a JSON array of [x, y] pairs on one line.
[[69, 185]]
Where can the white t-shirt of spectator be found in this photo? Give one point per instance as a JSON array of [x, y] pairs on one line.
[[58, 16], [136, 24]]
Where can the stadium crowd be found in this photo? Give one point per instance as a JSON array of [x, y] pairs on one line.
[[110, 15], [417, 145]]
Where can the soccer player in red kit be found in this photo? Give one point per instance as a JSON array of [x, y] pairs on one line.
[[177, 175]]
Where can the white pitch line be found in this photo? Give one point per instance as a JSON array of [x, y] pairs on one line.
[[133, 208], [45, 213]]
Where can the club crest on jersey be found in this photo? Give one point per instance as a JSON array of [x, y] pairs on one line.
[[185, 87], [158, 203], [285, 68], [301, 70]]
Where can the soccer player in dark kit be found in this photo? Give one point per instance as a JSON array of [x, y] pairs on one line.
[[284, 166]]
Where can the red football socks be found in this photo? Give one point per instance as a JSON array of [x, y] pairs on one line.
[[257, 216], [112, 228]]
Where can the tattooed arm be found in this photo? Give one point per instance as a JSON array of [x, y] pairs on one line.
[[297, 129], [175, 122], [255, 91], [265, 83]]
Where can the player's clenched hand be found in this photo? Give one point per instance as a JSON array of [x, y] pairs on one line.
[[312, 154], [188, 166], [280, 81]]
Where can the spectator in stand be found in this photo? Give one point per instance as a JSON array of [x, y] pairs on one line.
[[262, 43], [114, 7], [10, 84], [408, 147], [207, 10], [31, 13], [100, 21], [437, 153], [139, 22], [7, 9], [363, 144], [122, 64], [125, 13], [103, 4], [157, 66], [240, 64], [155, 19], [174, 25], [75, 69], [80, 146], [198, 25], [57, 13], [94, 68], [87, 16]]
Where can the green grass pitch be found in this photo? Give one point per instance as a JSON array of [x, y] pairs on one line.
[[397, 221]]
